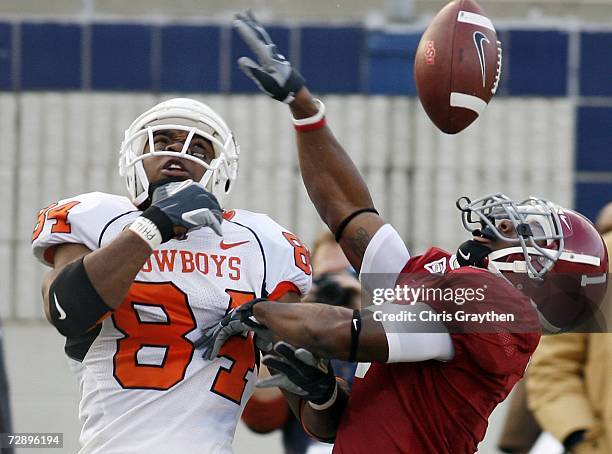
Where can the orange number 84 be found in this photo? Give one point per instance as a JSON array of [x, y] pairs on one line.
[[166, 331]]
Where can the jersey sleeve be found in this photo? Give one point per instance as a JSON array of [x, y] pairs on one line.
[[386, 252], [384, 259], [79, 220], [287, 260]]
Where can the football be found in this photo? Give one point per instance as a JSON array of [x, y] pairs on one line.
[[457, 65]]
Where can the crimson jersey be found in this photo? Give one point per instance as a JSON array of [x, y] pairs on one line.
[[433, 406]]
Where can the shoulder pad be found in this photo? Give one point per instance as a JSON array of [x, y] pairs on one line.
[[79, 219], [287, 258]]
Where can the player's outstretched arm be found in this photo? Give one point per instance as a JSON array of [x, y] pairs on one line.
[[326, 331], [335, 332], [363, 336], [84, 286], [333, 182]]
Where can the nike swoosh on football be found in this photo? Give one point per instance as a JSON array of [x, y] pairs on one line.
[[479, 37], [62, 315], [225, 245]]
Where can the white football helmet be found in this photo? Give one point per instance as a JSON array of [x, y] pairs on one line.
[[191, 116]]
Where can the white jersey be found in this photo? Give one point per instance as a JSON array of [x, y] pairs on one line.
[[143, 386]]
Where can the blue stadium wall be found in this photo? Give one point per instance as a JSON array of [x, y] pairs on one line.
[[340, 60]]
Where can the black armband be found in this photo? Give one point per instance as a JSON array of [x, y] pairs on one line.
[[74, 304], [349, 218], [355, 331]]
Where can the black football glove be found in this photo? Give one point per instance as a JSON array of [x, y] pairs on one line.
[[274, 74], [237, 321], [183, 204], [300, 372]]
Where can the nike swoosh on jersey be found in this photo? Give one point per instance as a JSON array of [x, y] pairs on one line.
[[62, 315], [466, 257], [479, 38], [226, 246]]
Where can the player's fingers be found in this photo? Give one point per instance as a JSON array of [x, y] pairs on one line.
[[236, 327], [210, 328], [252, 38], [285, 349], [213, 350], [271, 382], [281, 381], [248, 66], [198, 218], [254, 72], [206, 217], [214, 344], [215, 224], [170, 189], [206, 345], [279, 364], [248, 18], [306, 357], [201, 342], [263, 342], [206, 352], [243, 15], [208, 334]]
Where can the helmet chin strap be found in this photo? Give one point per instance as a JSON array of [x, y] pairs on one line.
[[473, 253]]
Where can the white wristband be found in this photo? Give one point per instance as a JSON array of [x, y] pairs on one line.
[[329, 403], [148, 231], [314, 119]]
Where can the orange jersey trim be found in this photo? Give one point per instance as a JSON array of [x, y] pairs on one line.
[[282, 289], [104, 317], [49, 255]]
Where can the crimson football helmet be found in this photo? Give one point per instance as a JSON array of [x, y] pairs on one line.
[[554, 255], [191, 116]]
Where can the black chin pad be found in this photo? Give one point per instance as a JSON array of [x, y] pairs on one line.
[[158, 183], [473, 253], [485, 232], [153, 186]]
